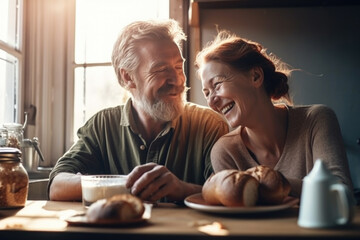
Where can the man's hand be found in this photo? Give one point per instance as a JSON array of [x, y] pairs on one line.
[[152, 182]]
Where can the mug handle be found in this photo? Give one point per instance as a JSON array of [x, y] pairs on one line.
[[344, 203]]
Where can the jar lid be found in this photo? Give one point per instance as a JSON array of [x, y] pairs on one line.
[[16, 126], [9, 154]]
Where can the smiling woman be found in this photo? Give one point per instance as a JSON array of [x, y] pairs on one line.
[[243, 83]]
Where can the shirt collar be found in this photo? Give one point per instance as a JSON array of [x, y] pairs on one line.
[[126, 114]]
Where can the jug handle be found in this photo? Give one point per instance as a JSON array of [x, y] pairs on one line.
[[344, 203], [36, 146], [25, 121]]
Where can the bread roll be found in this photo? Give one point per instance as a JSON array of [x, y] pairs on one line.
[[231, 188], [273, 188], [119, 208]]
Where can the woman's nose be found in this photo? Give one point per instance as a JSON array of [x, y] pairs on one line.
[[212, 99]]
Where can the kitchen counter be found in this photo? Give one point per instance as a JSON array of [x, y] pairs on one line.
[[38, 182], [41, 174], [38, 189]]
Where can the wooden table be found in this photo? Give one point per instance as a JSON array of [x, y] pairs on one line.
[[45, 220]]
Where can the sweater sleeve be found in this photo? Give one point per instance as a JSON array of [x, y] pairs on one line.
[[327, 143]]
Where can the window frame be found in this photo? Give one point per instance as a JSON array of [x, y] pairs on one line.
[[17, 52]]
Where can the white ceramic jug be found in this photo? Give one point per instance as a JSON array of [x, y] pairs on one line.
[[325, 202]]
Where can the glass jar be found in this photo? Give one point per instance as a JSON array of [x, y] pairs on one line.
[[15, 135], [3, 137], [14, 180]]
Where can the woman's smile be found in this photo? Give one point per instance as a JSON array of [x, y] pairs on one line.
[[227, 108]]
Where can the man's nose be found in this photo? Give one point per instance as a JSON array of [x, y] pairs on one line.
[[176, 77]]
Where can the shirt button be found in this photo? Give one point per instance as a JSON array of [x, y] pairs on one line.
[[142, 147]]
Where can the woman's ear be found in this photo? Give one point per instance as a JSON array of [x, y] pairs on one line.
[[128, 81], [257, 76]]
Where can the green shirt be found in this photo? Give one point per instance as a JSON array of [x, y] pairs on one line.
[[109, 143]]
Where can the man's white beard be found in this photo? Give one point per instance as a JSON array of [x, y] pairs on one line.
[[161, 110]]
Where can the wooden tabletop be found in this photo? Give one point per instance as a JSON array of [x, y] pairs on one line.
[[47, 220]]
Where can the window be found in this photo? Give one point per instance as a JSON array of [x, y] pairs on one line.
[[98, 23], [10, 60], [67, 57]]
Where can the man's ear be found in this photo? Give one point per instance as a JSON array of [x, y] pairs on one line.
[[128, 81], [257, 76]]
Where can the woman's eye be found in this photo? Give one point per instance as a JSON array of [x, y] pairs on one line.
[[217, 85], [206, 94]]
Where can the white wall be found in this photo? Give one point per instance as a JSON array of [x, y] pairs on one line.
[[322, 41]]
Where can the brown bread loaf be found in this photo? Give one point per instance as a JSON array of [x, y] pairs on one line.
[[273, 188], [231, 188], [117, 209]]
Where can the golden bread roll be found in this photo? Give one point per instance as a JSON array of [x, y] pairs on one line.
[[231, 188], [273, 188], [119, 208]]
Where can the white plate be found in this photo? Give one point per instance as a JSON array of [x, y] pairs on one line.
[[197, 202], [80, 220]]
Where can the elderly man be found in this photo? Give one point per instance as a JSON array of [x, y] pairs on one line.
[[161, 141]]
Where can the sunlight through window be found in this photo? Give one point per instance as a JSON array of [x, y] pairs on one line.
[[98, 23], [10, 53]]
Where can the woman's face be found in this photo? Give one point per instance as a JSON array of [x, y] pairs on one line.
[[229, 92]]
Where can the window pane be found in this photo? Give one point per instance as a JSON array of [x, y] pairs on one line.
[[9, 10], [8, 87], [95, 88], [98, 23]]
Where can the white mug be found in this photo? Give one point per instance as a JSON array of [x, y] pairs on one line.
[[324, 201]]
